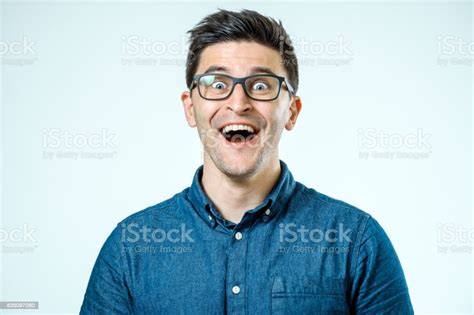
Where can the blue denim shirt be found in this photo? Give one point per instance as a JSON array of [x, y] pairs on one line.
[[298, 252]]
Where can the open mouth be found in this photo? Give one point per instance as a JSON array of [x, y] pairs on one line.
[[239, 133]]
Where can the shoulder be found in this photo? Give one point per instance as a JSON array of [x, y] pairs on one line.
[[327, 206], [165, 210]]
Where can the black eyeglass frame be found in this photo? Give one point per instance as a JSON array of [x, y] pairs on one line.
[[242, 80]]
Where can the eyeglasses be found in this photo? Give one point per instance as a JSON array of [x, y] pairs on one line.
[[219, 86]]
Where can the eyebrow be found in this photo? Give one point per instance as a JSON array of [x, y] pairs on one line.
[[253, 70]]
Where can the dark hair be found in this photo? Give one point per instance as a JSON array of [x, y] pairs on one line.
[[246, 25]]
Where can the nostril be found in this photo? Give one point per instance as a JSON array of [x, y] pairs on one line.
[[239, 107]]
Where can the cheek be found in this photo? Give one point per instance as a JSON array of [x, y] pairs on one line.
[[204, 112], [201, 115], [278, 117]]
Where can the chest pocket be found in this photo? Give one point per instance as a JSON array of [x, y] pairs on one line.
[[308, 295]]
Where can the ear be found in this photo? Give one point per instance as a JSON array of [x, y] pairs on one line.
[[188, 108], [295, 109]]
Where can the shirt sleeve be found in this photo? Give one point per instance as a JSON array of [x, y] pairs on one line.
[[107, 291], [379, 285]]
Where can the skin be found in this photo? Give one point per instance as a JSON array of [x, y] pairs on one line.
[[238, 178]]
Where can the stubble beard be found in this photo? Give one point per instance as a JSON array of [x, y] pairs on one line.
[[255, 159]]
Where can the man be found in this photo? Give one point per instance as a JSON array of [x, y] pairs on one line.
[[246, 238]]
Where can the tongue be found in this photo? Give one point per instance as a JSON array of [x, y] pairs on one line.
[[238, 136]]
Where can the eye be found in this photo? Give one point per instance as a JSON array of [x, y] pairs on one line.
[[219, 85], [259, 86]]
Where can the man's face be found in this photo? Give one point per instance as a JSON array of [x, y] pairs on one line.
[[241, 157]]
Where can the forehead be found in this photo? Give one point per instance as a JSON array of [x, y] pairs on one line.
[[240, 57]]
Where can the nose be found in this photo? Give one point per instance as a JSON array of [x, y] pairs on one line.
[[238, 100]]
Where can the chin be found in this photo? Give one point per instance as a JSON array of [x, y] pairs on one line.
[[239, 171], [238, 166]]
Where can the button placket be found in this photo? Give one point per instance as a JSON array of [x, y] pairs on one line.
[[236, 273]]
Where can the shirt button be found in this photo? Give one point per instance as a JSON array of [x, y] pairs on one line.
[[210, 218], [268, 211], [235, 289], [238, 236]]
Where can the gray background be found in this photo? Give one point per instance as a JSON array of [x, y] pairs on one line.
[[367, 68]]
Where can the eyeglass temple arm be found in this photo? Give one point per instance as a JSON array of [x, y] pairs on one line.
[[191, 86], [290, 87]]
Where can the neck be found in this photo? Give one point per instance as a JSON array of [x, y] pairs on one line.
[[234, 196]]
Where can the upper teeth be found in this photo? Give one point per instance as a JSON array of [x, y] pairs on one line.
[[237, 127]]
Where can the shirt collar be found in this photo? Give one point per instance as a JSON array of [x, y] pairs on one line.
[[268, 209]]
